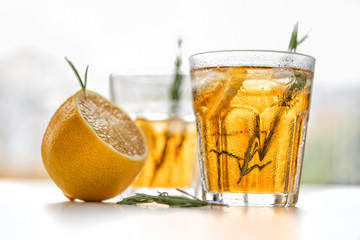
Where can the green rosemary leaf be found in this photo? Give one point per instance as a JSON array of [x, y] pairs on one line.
[[182, 191], [303, 39], [294, 42], [83, 84], [256, 166], [226, 153], [85, 78], [175, 89]]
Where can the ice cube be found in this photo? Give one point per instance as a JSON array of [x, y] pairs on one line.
[[283, 76], [176, 125]]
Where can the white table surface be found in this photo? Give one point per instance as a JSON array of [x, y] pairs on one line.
[[36, 209]]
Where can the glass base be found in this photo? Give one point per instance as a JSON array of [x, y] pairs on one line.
[[252, 199]]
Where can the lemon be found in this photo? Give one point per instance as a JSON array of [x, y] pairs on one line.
[[91, 148]]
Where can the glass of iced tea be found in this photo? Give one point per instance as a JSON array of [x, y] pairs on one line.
[[168, 126], [252, 110]]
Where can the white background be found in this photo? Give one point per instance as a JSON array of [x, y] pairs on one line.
[[141, 36], [126, 35]]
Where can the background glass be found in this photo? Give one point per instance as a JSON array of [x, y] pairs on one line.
[[168, 126], [252, 110]]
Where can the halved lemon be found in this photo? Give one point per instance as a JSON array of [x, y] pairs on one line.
[[92, 149]]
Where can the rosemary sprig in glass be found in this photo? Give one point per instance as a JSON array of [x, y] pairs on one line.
[[294, 42], [175, 89], [174, 97]]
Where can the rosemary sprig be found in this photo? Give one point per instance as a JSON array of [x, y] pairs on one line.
[[165, 198], [244, 169], [174, 95], [175, 89], [82, 83], [294, 42], [254, 145]]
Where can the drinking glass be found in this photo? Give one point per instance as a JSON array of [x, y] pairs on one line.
[[168, 125], [252, 111]]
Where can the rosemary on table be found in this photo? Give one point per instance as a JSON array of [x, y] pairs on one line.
[[165, 198]]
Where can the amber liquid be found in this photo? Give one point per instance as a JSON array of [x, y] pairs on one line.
[[252, 124], [172, 151]]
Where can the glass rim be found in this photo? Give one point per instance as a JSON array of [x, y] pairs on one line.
[[150, 79], [252, 50], [142, 78], [133, 75], [288, 59], [143, 75]]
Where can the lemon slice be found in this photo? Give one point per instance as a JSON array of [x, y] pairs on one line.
[[91, 149]]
